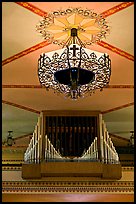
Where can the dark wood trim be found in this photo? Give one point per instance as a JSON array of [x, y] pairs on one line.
[[118, 108], [20, 106], [70, 113], [26, 86]]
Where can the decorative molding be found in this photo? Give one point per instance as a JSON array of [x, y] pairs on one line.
[[127, 162], [120, 86], [68, 186], [14, 168], [70, 190], [40, 86], [14, 160], [20, 106], [25, 52], [32, 8], [129, 168], [23, 86], [116, 50], [118, 108], [116, 9], [67, 183], [11, 168]]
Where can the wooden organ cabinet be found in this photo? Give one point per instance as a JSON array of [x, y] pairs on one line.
[[71, 143]]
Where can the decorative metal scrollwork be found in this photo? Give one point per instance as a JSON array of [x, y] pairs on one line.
[[101, 67]]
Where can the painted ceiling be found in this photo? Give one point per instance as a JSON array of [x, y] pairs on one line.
[[22, 95]]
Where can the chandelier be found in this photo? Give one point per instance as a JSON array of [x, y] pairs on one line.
[[74, 70]]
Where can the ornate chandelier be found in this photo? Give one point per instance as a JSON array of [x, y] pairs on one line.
[[74, 70]]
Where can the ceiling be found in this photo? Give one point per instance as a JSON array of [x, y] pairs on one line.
[[22, 95]]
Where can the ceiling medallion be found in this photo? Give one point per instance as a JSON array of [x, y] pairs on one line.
[[56, 27], [74, 70]]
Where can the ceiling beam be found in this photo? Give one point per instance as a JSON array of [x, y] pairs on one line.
[[118, 108], [21, 107], [25, 52], [116, 50]]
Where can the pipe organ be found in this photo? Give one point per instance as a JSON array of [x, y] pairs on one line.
[[71, 143], [71, 135], [71, 138]]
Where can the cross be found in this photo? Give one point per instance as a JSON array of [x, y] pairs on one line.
[[74, 50]]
